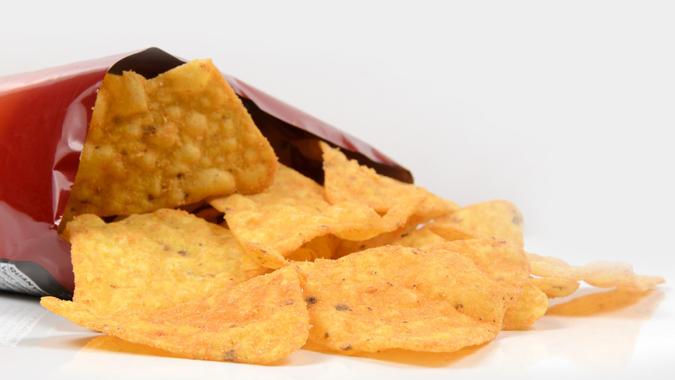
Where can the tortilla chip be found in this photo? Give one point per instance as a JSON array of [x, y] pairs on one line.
[[262, 320], [274, 224], [171, 140], [616, 275], [153, 260], [397, 297], [499, 220], [420, 238], [556, 286], [530, 305], [346, 247], [599, 274], [346, 180], [506, 263], [501, 260]]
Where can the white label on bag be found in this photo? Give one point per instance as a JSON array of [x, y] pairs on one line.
[[12, 279]]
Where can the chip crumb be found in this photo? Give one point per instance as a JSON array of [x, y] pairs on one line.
[[342, 307]]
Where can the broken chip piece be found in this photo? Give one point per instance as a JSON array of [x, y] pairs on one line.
[[346, 180]]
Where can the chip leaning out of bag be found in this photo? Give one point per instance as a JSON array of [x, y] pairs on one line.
[[188, 235]]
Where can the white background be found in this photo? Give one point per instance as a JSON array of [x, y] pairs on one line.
[[566, 108]]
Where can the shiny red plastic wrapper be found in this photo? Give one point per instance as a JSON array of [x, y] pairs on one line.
[[43, 123]]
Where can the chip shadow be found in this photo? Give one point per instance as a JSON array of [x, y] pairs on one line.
[[411, 358], [613, 303], [113, 345]]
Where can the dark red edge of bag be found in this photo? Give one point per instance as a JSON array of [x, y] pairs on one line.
[[43, 123]]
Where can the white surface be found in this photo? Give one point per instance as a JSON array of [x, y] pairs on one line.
[[565, 108], [631, 342]]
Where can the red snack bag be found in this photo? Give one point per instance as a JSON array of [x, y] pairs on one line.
[[43, 123]]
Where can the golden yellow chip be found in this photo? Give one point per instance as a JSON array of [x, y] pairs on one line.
[[172, 140], [498, 220], [262, 320], [556, 286], [152, 260], [616, 275], [345, 247], [346, 180], [354, 221], [530, 305], [420, 238], [399, 297], [396, 215], [600, 274], [506, 263], [277, 222], [546, 266], [501, 260]]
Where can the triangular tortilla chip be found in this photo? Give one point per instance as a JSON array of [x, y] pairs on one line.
[[262, 320], [398, 297], [167, 141], [346, 180], [153, 260]]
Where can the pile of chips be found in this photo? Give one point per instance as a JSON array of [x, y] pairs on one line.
[[210, 249]]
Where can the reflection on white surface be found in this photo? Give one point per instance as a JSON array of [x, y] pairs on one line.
[[596, 331], [592, 333], [17, 320]]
